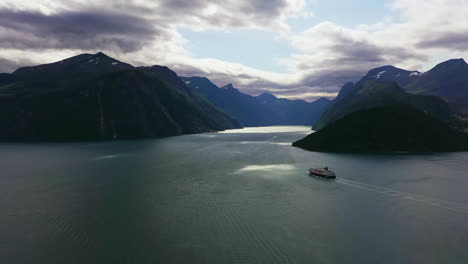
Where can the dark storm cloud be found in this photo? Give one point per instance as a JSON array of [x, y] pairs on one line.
[[264, 7], [344, 58], [317, 83], [356, 53], [260, 13], [271, 8], [451, 40], [183, 5], [75, 30]]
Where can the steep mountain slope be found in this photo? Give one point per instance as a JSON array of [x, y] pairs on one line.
[[170, 78], [385, 129], [263, 110], [374, 93], [93, 97], [344, 91], [448, 79]]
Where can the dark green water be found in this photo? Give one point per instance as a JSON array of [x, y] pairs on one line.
[[228, 198]]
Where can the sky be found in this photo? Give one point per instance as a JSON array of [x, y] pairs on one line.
[[298, 49]]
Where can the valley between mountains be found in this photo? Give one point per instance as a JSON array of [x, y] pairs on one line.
[[96, 97]]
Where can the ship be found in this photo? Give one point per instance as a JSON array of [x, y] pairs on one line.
[[322, 172]]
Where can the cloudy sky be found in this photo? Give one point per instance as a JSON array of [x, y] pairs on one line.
[[291, 48]]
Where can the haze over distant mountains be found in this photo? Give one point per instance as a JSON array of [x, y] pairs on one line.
[[262, 110]]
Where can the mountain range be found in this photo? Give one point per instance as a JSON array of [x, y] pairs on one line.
[[262, 110], [441, 92], [95, 97], [374, 93]]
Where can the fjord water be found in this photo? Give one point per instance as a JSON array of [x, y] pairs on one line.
[[241, 196]]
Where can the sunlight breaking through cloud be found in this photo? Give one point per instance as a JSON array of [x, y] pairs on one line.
[[269, 171], [267, 168], [274, 129], [267, 142]]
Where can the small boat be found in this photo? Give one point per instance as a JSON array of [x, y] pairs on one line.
[[322, 172]]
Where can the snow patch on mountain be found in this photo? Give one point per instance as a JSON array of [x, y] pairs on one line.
[[379, 74]]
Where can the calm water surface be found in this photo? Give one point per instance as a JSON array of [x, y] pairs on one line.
[[241, 196]]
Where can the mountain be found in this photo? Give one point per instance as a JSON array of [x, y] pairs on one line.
[[243, 107], [448, 79], [263, 110], [385, 129], [81, 66], [293, 112], [169, 77], [5, 79], [381, 74], [95, 97], [375, 93], [344, 91], [390, 74]]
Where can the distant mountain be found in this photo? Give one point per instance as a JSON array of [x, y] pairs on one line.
[[243, 107], [293, 112], [448, 80], [94, 97], [263, 110], [375, 93], [385, 129]]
